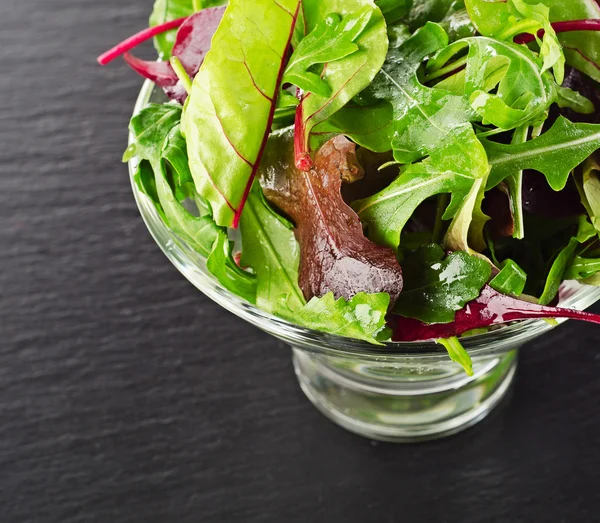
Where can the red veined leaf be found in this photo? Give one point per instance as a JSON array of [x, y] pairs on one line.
[[491, 308], [562, 27]]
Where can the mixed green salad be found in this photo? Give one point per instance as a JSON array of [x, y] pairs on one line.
[[397, 169]]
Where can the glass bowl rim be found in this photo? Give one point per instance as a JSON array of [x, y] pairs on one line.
[[182, 256]]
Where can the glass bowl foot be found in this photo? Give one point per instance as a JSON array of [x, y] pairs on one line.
[[388, 401]]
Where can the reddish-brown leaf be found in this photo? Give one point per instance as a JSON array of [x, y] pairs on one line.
[[335, 255]]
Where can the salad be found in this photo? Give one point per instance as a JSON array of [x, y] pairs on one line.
[[395, 169]]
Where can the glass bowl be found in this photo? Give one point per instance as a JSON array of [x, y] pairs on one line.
[[399, 392]]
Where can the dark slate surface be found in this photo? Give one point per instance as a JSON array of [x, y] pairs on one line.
[[126, 396]]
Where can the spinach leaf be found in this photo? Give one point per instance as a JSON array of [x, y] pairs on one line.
[[329, 41], [361, 318], [228, 117], [555, 153], [436, 287], [161, 147], [270, 249], [454, 167], [346, 77], [510, 280]]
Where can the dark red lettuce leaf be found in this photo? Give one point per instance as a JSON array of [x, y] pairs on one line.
[[491, 308], [335, 255], [191, 45]]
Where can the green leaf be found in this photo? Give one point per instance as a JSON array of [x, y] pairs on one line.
[[510, 280], [423, 11], [329, 41], [271, 250], [555, 153], [514, 184], [453, 168], [361, 318], [435, 288], [564, 259], [163, 170], [228, 116], [350, 75], [458, 354], [581, 48], [584, 269]]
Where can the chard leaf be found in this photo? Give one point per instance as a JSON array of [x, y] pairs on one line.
[[510, 280], [159, 144], [555, 153], [335, 255], [437, 286], [329, 41], [491, 308], [581, 48], [228, 117], [564, 259], [361, 318], [270, 249], [454, 167], [345, 77], [165, 11]]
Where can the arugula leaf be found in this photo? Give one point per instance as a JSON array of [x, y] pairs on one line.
[[159, 144], [581, 48], [329, 41], [523, 92], [586, 270], [436, 287], [457, 353], [510, 280], [228, 117], [454, 167], [362, 317], [514, 184], [346, 77], [564, 259], [270, 249], [555, 153]]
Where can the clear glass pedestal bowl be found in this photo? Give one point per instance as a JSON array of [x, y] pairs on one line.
[[400, 392]]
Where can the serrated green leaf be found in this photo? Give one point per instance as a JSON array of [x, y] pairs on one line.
[[555, 153], [435, 287], [361, 318]]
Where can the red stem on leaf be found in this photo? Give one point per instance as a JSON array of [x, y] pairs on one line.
[[302, 156], [562, 27], [137, 39]]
